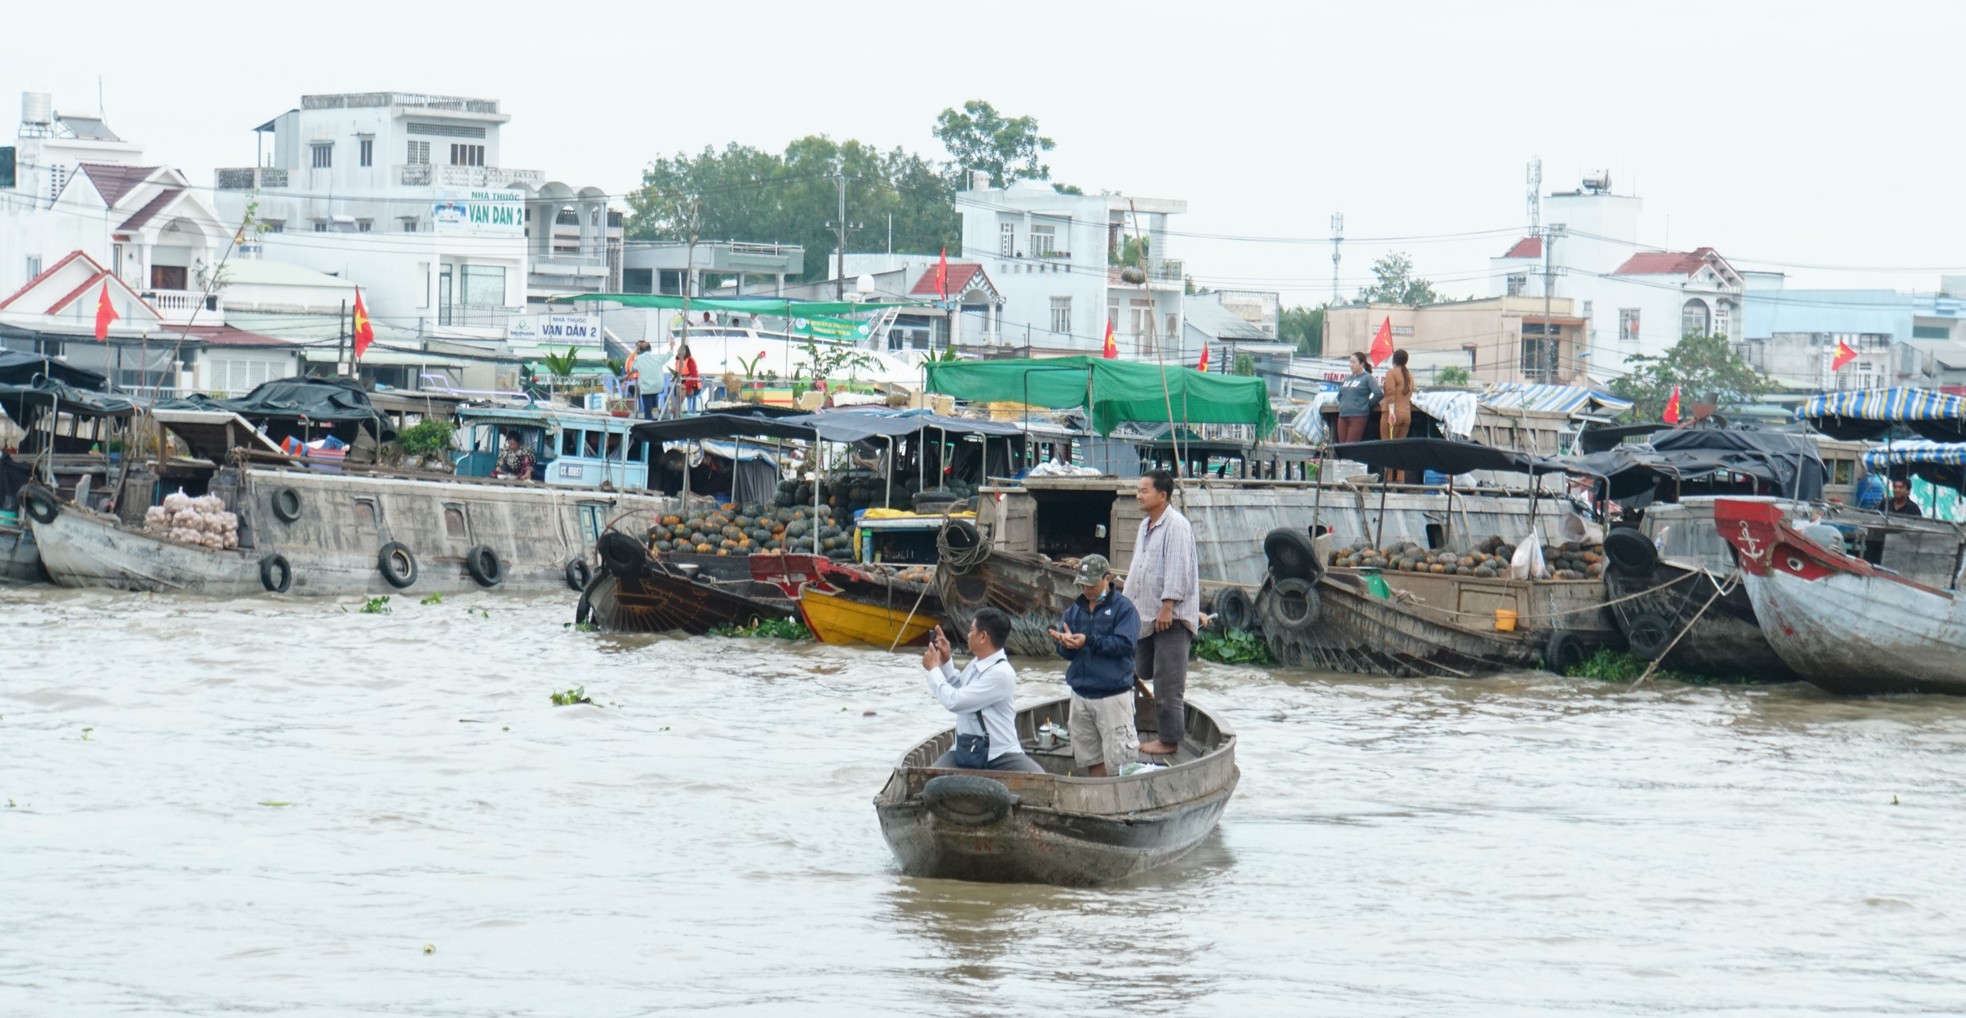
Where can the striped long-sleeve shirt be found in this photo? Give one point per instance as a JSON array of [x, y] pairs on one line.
[[1165, 568]]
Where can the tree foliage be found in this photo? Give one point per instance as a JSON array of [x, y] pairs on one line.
[[748, 194], [1304, 327], [1397, 284], [1705, 369], [981, 139]]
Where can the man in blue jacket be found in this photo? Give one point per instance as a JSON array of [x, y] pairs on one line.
[[1097, 636]]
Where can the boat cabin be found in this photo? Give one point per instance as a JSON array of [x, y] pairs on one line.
[[571, 448]]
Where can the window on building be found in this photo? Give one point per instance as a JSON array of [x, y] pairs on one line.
[[483, 286], [1044, 240], [409, 225], [1112, 318], [323, 154], [272, 226], [367, 154], [33, 266], [1173, 325], [1517, 284], [364, 225], [1061, 315], [419, 154], [1007, 239], [467, 155], [1931, 332], [1695, 318], [320, 226], [1628, 324], [1142, 317], [1539, 357]]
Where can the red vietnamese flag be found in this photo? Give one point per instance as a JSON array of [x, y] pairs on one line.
[[364, 330], [1382, 344], [942, 276], [1843, 355], [1203, 366], [1111, 350], [1672, 407], [105, 312]]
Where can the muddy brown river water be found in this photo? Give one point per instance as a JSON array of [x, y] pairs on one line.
[[290, 807]]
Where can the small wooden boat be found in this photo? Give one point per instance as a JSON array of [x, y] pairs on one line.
[[1839, 621], [636, 592], [878, 610], [1053, 828]]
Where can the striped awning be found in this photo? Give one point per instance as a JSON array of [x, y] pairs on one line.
[[1902, 404], [1914, 453], [1567, 399]]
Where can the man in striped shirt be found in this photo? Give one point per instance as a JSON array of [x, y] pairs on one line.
[[1165, 587]]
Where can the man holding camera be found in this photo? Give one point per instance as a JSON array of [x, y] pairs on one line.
[[982, 697], [1097, 636]]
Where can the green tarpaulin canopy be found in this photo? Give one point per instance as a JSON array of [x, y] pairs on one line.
[[777, 307], [1112, 391]]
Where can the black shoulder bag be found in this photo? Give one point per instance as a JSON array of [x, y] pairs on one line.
[[973, 751]]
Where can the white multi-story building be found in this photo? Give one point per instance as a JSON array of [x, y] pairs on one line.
[[1049, 255], [407, 195]]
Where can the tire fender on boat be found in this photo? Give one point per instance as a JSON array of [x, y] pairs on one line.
[[483, 565], [1566, 650], [40, 504], [1290, 590], [578, 573], [1233, 608], [622, 555], [286, 504], [275, 574], [1630, 552], [1649, 633], [968, 799], [1291, 554], [397, 563]]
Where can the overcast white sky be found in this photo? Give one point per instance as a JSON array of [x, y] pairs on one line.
[[1788, 135]]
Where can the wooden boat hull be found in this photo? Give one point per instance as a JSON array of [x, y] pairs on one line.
[[1725, 641], [842, 617], [1060, 829], [1840, 622], [20, 557], [659, 601], [1032, 590]]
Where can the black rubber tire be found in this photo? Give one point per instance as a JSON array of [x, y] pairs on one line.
[[275, 574], [934, 501], [484, 565], [1278, 616], [1630, 553], [286, 504], [1291, 554], [578, 572], [968, 799], [39, 504], [397, 564], [961, 535], [1566, 650], [1234, 609], [1649, 633], [622, 555]]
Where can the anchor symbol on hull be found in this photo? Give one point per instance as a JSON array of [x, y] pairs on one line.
[[1748, 542]]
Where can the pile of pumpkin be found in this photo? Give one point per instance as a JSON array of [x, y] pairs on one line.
[[731, 529], [1488, 560]]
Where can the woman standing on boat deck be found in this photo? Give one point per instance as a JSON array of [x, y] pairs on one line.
[[1398, 406], [688, 381], [1357, 396]]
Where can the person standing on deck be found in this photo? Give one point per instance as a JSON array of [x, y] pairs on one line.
[[1901, 503], [1357, 395], [1099, 635], [983, 696], [1399, 389], [1165, 588], [632, 374]]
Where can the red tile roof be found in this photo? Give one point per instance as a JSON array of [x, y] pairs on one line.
[[1664, 263], [113, 182], [1527, 247], [101, 275], [226, 335], [962, 275], [151, 208]]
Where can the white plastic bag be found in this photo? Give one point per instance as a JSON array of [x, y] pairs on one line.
[[1528, 561]]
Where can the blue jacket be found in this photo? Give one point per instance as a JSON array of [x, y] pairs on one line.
[[1104, 666]]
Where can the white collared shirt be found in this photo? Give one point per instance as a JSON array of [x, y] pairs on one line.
[[988, 685]]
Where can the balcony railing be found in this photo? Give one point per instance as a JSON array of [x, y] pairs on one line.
[[250, 178], [179, 306], [414, 174], [487, 176]]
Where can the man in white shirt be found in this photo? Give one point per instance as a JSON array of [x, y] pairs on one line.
[[983, 695]]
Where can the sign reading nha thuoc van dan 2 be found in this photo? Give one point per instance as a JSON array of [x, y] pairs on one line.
[[480, 213]]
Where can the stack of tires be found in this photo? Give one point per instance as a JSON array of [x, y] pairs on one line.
[[1287, 606]]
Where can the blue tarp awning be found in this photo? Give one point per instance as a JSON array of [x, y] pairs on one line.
[[1567, 399], [1869, 413]]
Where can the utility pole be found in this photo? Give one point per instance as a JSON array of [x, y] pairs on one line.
[[1337, 238], [841, 226], [1549, 357]]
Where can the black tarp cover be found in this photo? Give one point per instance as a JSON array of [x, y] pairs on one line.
[[1442, 455], [310, 401], [1780, 464], [17, 368]]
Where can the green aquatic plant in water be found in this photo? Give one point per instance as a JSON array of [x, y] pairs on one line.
[[767, 629], [1623, 666], [570, 697], [1235, 647], [378, 605]]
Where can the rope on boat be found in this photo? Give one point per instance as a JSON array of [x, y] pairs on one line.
[[1409, 597], [1718, 590]]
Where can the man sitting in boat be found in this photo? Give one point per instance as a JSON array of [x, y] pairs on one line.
[[515, 461], [1097, 636], [983, 695]]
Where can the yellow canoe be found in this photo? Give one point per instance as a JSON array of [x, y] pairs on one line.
[[840, 618]]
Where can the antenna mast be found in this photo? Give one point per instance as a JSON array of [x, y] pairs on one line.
[[1337, 238], [1535, 195]]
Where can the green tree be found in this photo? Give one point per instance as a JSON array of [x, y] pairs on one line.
[[1244, 365], [981, 139], [1397, 283], [1304, 327], [1453, 375], [1705, 369], [1131, 251]]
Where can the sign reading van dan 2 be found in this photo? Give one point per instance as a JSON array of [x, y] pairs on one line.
[[480, 213], [556, 332]]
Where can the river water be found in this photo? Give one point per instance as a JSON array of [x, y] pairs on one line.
[[292, 807]]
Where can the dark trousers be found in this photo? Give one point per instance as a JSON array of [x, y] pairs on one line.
[[1351, 429], [1002, 762], [1162, 658]]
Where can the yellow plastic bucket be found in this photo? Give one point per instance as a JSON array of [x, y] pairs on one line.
[[1504, 620]]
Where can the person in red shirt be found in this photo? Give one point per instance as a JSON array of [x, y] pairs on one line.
[[688, 380]]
